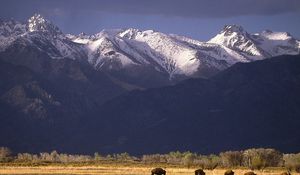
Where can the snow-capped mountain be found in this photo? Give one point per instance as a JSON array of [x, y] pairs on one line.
[[175, 55], [179, 55], [133, 47], [42, 34], [256, 46], [135, 53]]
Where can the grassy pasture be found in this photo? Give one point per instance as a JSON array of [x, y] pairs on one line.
[[119, 170]]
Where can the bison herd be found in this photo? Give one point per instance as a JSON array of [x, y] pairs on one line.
[[160, 171]]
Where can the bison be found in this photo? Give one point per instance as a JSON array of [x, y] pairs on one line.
[[199, 172], [158, 171], [229, 172], [286, 173], [250, 173]]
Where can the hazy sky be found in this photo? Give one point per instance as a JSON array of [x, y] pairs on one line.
[[200, 19]]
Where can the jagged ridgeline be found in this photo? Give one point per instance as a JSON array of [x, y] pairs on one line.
[[146, 58]]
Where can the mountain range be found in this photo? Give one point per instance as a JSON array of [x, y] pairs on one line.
[[162, 59], [146, 91]]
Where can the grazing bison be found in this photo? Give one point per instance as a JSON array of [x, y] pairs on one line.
[[199, 172], [158, 171], [250, 173], [229, 172]]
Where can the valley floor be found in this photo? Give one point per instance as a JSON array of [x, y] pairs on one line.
[[120, 170]]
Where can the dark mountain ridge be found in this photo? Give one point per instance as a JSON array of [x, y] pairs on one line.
[[248, 105], [40, 109]]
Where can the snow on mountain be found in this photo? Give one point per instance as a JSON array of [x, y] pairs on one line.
[[39, 23], [217, 51], [256, 46], [41, 34], [103, 51], [179, 55], [122, 49], [173, 56], [237, 39], [9, 31], [134, 47], [277, 43], [46, 36]]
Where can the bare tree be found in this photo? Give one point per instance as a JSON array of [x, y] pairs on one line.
[[231, 158], [292, 161], [262, 158], [5, 154]]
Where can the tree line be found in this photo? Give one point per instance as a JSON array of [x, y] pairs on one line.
[[259, 158]]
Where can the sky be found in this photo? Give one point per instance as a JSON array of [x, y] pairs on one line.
[[198, 19]]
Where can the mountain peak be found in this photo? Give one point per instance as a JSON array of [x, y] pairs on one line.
[[129, 33], [38, 23], [229, 29], [38, 16], [238, 39], [267, 31]]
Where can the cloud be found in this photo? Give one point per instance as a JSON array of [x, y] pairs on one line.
[[204, 8], [178, 8], [188, 8]]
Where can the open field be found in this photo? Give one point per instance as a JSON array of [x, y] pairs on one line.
[[121, 170]]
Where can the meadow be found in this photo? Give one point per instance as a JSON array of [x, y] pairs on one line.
[[123, 170]]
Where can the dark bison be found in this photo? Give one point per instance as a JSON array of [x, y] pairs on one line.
[[158, 171], [199, 172], [250, 173], [229, 172]]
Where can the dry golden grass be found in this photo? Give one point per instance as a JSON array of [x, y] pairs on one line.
[[118, 170]]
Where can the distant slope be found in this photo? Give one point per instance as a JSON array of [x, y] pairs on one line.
[[248, 105], [38, 110]]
